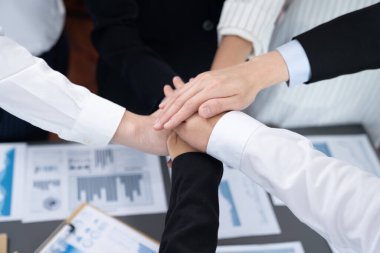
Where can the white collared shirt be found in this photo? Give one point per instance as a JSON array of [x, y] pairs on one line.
[[338, 200], [32, 91], [36, 24]]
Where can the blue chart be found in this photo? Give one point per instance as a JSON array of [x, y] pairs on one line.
[[132, 188], [323, 147], [144, 249], [227, 195], [6, 182]]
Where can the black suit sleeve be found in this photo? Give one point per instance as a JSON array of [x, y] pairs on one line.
[[192, 220], [117, 39], [345, 45]]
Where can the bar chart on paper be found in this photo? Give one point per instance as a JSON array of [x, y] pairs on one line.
[[245, 209], [227, 196], [130, 189], [118, 180], [12, 159]]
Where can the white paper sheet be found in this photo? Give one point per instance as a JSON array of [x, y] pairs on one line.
[[354, 149], [118, 180], [12, 163], [96, 232], [289, 247], [245, 208]]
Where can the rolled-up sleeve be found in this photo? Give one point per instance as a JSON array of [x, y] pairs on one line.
[[32, 91], [253, 20]]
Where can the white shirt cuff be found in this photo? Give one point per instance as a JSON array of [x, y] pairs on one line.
[[297, 62], [97, 122], [229, 139]]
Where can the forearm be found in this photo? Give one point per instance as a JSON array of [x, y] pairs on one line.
[[336, 199], [232, 50], [267, 70], [32, 91], [345, 45], [193, 217]]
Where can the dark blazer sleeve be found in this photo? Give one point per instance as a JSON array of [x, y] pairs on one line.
[[117, 39], [192, 220], [345, 45]]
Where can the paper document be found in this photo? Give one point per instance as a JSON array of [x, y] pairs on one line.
[[245, 208], [91, 231], [289, 247], [118, 180], [355, 149], [12, 168]]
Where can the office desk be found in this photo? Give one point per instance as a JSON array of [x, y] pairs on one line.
[[25, 238]]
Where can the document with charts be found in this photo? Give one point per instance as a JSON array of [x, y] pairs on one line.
[[287, 247], [355, 149], [88, 230], [118, 180], [12, 163], [245, 208]]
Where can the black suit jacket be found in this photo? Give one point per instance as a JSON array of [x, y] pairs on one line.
[[144, 43], [192, 220], [345, 45]]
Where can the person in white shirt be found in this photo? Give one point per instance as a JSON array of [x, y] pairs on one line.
[[32, 91], [336, 199], [38, 26], [344, 100]]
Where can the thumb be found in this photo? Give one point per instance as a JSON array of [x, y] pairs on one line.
[[216, 106]]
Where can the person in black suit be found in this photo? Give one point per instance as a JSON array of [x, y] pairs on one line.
[[192, 219], [144, 44], [347, 44]]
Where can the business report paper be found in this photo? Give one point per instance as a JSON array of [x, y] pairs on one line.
[[12, 167], [288, 247], [116, 179], [245, 208]]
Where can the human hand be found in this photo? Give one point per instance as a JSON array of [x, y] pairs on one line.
[[136, 131], [213, 92], [196, 131], [177, 146]]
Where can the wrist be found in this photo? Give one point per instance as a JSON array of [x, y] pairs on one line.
[[126, 130], [269, 69]]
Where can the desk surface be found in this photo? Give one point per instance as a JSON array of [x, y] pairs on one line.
[[25, 238]]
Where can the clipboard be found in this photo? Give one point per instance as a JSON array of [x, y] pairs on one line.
[[3, 243], [89, 230]]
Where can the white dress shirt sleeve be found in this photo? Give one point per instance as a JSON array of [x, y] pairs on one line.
[[296, 61], [253, 20], [338, 200], [32, 91]]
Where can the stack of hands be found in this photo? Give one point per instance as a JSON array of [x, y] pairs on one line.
[[192, 110]]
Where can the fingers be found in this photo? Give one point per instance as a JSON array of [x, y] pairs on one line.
[[168, 90], [178, 83], [174, 103], [189, 108], [216, 106]]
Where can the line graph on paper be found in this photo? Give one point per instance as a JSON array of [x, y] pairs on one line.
[[129, 189]]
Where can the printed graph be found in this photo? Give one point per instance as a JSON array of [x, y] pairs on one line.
[[323, 147], [133, 188], [6, 182], [227, 195]]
